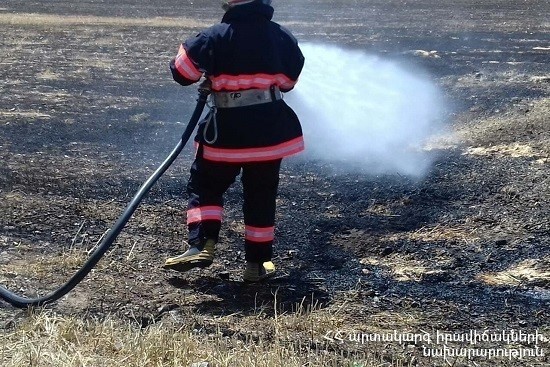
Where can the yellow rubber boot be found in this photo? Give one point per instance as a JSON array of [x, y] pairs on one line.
[[256, 272], [193, 258]]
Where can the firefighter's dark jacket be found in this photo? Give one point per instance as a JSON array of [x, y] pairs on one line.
[[245, 51]]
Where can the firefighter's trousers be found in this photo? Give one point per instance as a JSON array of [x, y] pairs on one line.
[[207, 184]]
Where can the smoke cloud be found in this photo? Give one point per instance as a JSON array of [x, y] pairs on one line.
[[364, 113]]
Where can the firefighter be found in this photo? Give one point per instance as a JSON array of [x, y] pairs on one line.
[[250, 61]]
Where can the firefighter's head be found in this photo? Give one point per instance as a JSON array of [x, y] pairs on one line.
[[228, 4]]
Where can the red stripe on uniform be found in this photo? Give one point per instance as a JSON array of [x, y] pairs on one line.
[[254, 154], [204, 213], [259, 234], [186, 67], [258, 81]]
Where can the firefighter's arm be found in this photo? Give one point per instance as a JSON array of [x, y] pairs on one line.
[[195, 57], [294, 61], [184, 70]]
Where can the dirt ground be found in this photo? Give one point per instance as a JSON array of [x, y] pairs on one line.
[[89, 110]]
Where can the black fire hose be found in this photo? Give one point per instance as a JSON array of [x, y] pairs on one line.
[[22, 302]]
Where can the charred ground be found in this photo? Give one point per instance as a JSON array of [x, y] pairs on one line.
[[89, 110]]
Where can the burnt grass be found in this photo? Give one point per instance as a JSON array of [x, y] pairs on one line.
[[89, 110]]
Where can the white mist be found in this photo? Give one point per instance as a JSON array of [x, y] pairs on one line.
[[363, 112]]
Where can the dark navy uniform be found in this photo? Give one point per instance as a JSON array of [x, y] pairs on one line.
[[245, 51]]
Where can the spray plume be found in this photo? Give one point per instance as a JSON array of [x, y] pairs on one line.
[[364, 113]]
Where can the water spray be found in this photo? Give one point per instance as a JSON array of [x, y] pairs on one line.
[[365, 113], [110, 237]]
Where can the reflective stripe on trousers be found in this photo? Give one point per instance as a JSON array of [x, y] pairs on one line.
[[206, 187]]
